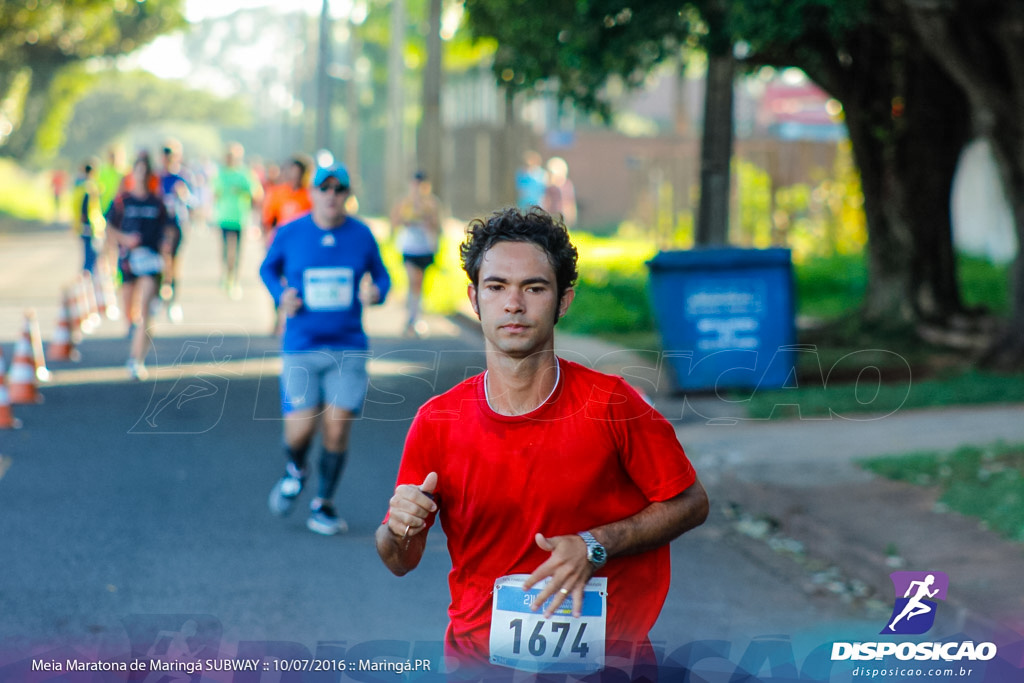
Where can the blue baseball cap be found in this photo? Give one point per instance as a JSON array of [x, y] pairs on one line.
[[336, 171]]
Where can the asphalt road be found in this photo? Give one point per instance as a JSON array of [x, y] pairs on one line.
[[133, 515]]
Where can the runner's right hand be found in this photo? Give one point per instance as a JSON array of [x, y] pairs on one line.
[[291, 302], [409, 508]]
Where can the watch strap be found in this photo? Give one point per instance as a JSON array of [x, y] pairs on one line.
[[596, 553]]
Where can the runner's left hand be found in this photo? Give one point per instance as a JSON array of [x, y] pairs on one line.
[[369, 294], [567, 569]]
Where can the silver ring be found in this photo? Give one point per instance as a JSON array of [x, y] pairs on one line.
[[564, 591], [407, 526]]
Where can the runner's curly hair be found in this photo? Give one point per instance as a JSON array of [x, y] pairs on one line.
[[535, 226]]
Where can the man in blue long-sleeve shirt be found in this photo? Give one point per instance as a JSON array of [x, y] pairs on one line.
[[313, 270]]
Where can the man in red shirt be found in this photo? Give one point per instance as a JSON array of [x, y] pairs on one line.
[[558, 487]]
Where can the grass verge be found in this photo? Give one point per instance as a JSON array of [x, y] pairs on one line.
[[872, 391], [24, 195], [982, 482]]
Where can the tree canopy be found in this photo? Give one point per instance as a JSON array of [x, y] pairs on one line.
[[888, 63], [41, 38], [117, 101], [573, 48]]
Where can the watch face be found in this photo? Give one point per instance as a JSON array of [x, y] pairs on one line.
[[598, 554]]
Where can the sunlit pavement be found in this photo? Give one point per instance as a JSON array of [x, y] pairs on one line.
[[148, 498], [36, 266]]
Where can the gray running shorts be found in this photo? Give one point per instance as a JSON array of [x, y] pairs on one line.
[[311, 379]]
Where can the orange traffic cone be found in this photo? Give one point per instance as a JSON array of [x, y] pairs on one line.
[[89, 293], [87, 321], [99, 291], [74, 311], [22, 378], [106, 293], [62, 346], [7, 419], [36, 339]]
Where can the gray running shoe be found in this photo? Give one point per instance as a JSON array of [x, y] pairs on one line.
[[283, 495], [136, 370], [323, 520]]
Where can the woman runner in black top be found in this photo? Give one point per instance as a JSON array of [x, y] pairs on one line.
[[138, 221]]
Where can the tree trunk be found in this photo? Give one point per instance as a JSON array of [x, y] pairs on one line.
[[980, 44], [1007, 349], [8, 74], [511, 142], [431, 130], [906, 145], [680, 120], [394, 148], [889, 246], [937, 130], [37, 101], [352, 148], [716, 152], [325, 54]]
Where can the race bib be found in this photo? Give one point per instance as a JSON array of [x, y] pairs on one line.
[[523, 639], [328, 289], [145, 261]]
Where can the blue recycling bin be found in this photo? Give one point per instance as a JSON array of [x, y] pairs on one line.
[[726, 316]]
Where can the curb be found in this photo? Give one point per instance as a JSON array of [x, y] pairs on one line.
[[868, 530]]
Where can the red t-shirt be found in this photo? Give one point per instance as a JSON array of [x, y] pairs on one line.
[[594, 453]]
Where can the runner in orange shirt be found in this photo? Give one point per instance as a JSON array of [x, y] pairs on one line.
[[285, 202], [289, 199]]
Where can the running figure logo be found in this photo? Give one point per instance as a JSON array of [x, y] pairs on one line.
[[914, 612]]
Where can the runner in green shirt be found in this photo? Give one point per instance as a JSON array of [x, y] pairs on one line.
[[235, 189]]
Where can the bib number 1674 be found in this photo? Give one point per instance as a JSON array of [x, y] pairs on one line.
[[537, 643], [523, 639]]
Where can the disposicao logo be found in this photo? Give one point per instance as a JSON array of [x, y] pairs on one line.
[[914, 612]]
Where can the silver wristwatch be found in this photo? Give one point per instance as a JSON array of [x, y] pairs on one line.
[[596, 554]]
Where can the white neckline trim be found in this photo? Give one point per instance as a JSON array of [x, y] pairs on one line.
[[558, 378]]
